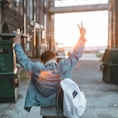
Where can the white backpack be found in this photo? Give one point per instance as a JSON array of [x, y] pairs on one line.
[[74, 101]]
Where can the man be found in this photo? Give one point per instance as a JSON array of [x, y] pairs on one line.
[[46, 75]]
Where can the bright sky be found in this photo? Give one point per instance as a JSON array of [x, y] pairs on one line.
[[78, 2], [96, 23]]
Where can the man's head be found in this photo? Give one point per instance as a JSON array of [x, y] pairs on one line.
[[47, 55]]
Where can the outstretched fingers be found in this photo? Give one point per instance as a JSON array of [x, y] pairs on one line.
[[80, 26]]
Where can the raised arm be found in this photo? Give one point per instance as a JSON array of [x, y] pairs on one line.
[[68, 64], [22, 58]]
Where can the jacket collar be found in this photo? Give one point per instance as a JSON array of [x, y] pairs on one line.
[[50, 62]]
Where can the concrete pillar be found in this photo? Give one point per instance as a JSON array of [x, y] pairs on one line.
[[50, 26], [113, 24]]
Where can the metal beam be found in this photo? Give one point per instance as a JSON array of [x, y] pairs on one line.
[[79, 8]]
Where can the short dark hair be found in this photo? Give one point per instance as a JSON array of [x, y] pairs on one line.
[[47, 55]]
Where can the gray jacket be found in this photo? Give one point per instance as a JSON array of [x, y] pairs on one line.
[[45, 79]]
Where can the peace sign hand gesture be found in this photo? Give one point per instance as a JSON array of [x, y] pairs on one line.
[[82, 30]]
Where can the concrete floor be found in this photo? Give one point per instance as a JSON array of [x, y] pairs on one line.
[[102, 98]]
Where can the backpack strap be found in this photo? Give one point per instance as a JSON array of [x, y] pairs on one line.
[[59, 97]]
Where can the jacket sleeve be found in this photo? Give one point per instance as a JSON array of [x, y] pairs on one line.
[[71, 61], [24, 61]]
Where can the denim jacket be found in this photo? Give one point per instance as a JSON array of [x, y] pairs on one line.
[[45, 79]]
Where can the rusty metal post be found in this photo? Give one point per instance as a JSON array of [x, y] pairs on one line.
[[113, 24], [0, 18]]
